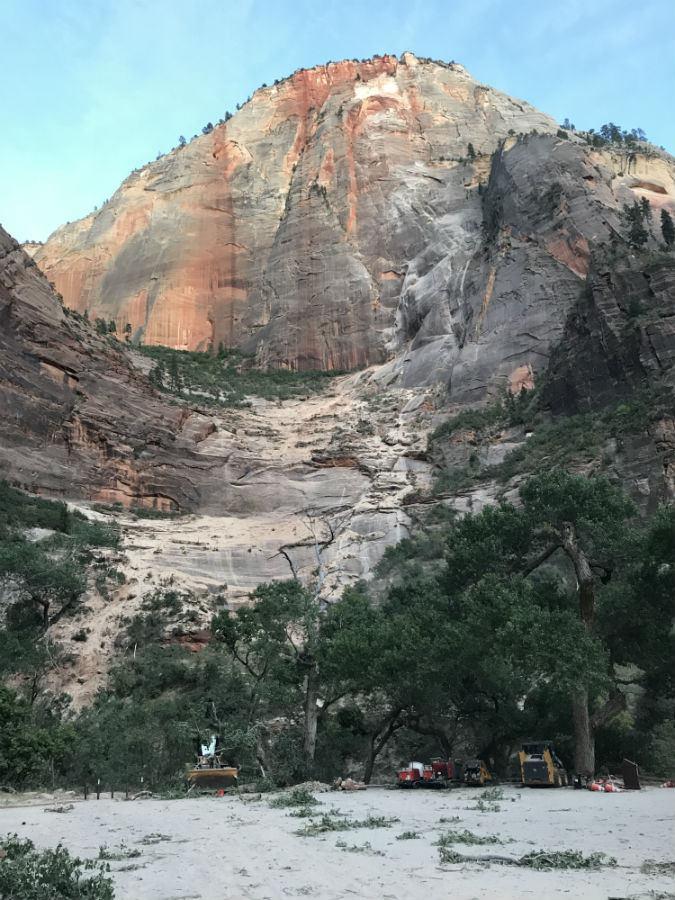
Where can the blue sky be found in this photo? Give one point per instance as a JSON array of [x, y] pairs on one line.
[[95, 88]]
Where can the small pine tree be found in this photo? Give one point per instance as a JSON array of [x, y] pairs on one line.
[[471, 152], [633, 219], [667, 229]]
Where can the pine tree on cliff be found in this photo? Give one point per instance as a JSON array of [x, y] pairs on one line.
[[667, 229]]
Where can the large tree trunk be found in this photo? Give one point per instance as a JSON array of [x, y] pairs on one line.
[[584, 738], [311, 713], [584, 573]]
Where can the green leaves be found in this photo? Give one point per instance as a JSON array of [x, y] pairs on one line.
[[595, 507], [30, 874]]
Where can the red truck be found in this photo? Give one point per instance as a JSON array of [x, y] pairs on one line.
[[435, 775]]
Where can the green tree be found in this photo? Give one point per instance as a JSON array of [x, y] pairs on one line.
[[667, 229], [174, 373], [33, 739], [585, 518], [564, 542], [634, 221], [276, 640], [47, 582]]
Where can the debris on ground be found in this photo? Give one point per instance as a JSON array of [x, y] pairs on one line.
[[320, 786], [348, 784], [64, 808]]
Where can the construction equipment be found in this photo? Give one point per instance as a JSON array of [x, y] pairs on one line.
[[435, 775], [476, 773], [540, 767], [211, 772]]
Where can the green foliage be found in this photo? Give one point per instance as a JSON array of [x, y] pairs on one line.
[[33, 740], [30, 874], [328, 823], [466, 837], [667, 229], [19, 510], [574, 438], [493, 618], [359, 848], [122, 851], [295, 650], [50, 583], [376, 822], [493, 794], [322, 825], [449, 856], [614, 134], [634, 218], [657, 867], [542, 860], [506, 411], [298, 797], [565, 859], [407, 836], [228, 378]]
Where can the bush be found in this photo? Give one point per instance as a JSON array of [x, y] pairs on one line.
[[298, 797], [30, 874]]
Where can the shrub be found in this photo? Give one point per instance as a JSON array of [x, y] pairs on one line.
[[30, 874], [298, 797]]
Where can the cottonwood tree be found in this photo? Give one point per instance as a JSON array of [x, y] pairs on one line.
[[278, 641], [520, 584], [563, 517]]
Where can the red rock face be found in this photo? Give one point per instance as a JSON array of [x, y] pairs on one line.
[[340, 219], [76, 420], [281, 230]]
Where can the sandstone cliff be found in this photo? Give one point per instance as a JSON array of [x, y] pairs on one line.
[[75, 418], [339, 219]]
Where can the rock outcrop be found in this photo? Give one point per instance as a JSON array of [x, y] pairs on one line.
[[80, 422], [354, 212], [76, 420]]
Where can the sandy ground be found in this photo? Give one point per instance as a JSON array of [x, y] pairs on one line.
[[216, 848]]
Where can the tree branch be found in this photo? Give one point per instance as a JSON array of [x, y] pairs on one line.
[[615, 703], [541, 558]]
